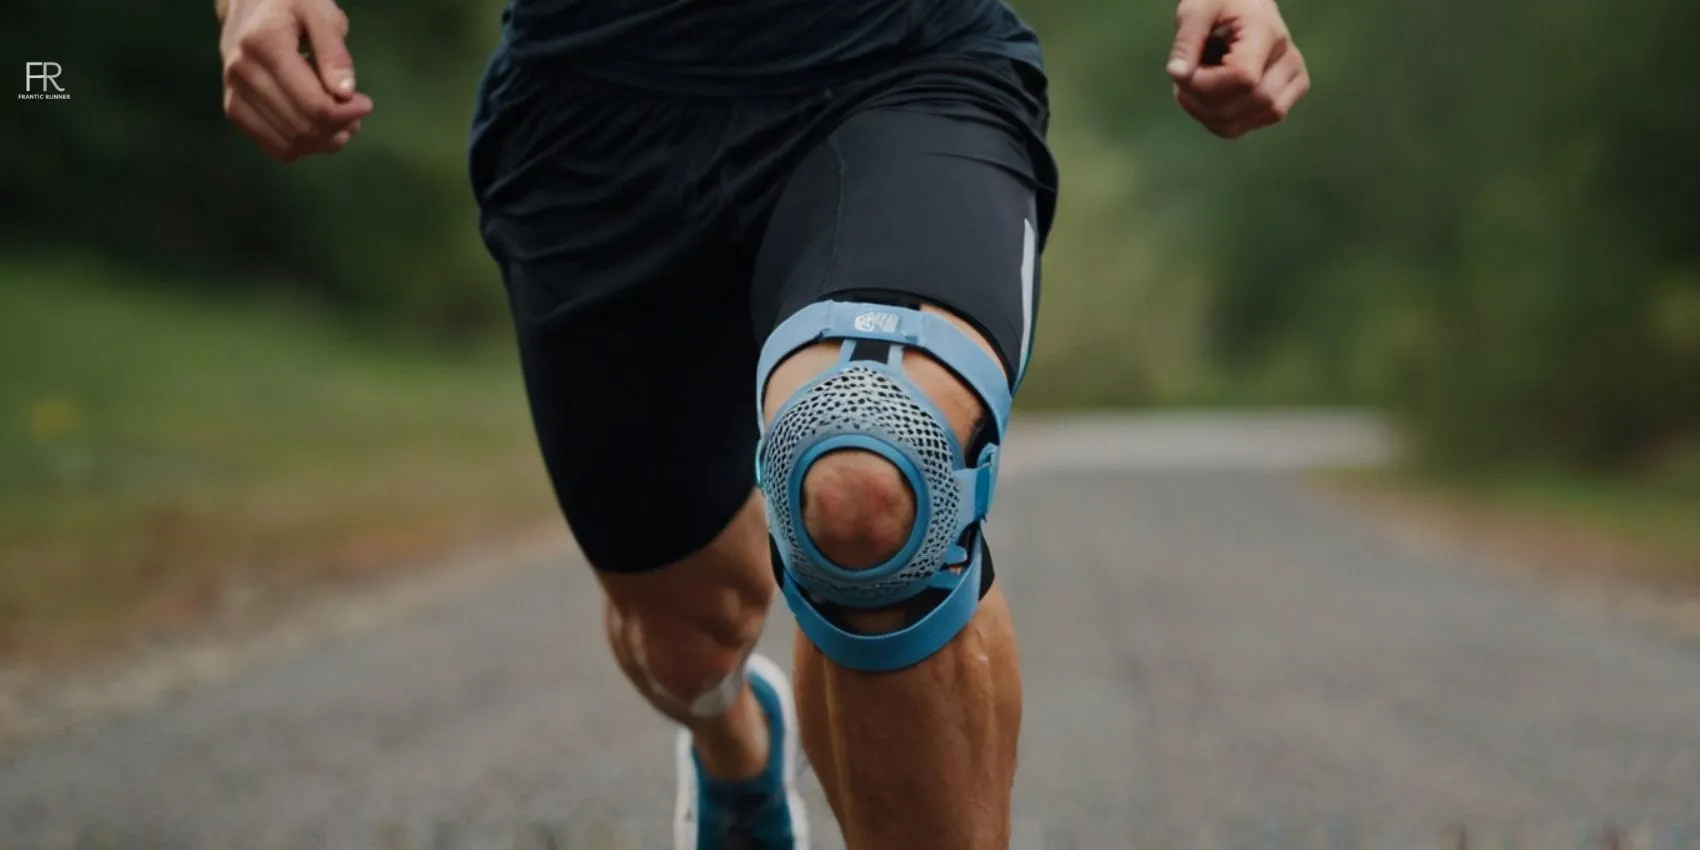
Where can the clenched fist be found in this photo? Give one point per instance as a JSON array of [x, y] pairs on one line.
[[290, 104], [1254, 83]]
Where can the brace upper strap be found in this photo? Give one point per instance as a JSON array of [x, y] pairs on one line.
[[931, 333]]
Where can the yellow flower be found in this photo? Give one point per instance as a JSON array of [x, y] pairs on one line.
[[52, 418]]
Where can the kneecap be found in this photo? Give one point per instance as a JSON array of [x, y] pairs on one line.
[[857, 508], [915, 546]]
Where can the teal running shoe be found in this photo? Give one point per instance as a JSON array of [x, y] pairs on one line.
[[763, 813]]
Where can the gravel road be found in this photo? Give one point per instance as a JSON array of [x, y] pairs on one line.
[[1216, 656]]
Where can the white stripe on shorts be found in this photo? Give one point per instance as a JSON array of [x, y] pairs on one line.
[[1029, 250]]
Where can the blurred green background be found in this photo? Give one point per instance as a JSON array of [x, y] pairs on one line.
[[218, 371]]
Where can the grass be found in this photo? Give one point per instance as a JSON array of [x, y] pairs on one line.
[[157, 449], [1641, 527]]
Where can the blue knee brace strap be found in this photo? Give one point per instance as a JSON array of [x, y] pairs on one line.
[[870, 404]]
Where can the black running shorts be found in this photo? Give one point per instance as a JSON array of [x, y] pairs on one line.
[[649, 242]]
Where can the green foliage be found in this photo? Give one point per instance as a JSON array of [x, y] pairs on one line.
[[1485, 216], [141, 166], [158, 448]]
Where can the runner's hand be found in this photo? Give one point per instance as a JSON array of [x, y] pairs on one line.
[[290, 105], [1255, 83]]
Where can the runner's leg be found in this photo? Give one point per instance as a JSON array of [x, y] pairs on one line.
[[914, 210], [636, 348]]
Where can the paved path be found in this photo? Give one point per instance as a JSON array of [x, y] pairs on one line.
[[1208, 644]]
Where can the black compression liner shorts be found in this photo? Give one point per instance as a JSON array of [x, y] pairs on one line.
[[649, 242]]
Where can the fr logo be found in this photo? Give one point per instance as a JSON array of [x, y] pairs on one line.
[[876, 322], [41, 81]]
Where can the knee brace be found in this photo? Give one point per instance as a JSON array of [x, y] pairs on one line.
[[866, 401]]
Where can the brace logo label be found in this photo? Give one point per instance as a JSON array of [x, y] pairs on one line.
[[876, 322]]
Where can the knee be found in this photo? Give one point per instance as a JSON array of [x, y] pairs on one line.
[[682, 660], [682, 631], [857, 508]]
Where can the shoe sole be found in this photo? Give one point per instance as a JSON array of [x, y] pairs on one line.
[[684, 825]]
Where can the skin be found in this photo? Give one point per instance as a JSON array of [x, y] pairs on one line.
[[289, 105], [921, 757], [943, 732], [292, 107], [1258, 81]]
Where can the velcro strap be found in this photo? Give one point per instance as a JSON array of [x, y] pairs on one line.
[[977, 483]]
